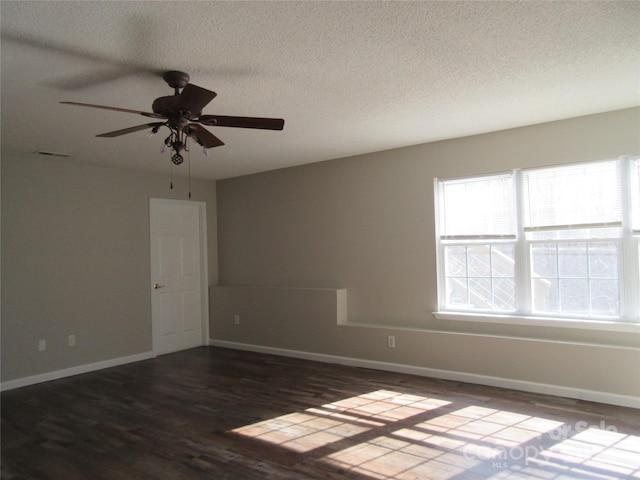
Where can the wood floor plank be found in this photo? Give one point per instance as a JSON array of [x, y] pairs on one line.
[[226, 414]]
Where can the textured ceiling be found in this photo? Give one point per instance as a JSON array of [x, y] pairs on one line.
[[348, 77]]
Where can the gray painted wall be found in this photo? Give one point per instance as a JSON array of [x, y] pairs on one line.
[[75, 260], [366, 224]]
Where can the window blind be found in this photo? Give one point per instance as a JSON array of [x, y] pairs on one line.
[[573, 196], [480, 207]]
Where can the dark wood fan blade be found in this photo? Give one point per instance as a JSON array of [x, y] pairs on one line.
[[203, 136], [117, 109], [116, 69], [124, 131], [194, 98], [98, 77], [242, 122]]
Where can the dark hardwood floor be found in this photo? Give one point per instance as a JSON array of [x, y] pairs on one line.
[[213, 413]]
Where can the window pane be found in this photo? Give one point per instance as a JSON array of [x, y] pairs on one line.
[[457, 293], [576, 278], [477, 206], [455, 261], [572, 260], [480, 293], [544, 260], [479, 260], [574, 296], [545, 295], [489, 281], [604, 297], [504, 293], [582, 194], [635, 194], [503, 260], [603, 260]]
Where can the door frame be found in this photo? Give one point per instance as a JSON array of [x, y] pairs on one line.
[[204, 267]]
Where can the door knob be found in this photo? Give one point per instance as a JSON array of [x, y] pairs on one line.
[[156, 286]]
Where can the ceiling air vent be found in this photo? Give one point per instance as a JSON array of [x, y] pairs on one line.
[[51, 154]]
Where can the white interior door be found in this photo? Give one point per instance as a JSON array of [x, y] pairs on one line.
[[178, 274]]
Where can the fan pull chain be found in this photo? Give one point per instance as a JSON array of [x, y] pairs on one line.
[[171, 175], [189, 167]]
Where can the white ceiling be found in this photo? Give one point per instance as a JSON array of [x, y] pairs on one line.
[[348, 77]]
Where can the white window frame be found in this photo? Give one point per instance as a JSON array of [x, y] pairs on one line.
[[629, 268]]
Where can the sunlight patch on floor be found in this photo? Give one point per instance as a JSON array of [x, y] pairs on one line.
[[303, 432], [333, 422], [445, 446], [363, 434], [392, 458], [595, 451]]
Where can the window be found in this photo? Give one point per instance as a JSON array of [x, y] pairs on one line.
[[557, 242]]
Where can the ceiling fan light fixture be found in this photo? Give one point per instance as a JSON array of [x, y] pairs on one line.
[[153, 131], [177, 159]]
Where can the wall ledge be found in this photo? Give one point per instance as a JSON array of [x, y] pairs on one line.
[[487, 335], [547, 322], [522, 385]]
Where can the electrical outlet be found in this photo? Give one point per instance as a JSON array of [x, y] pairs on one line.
[[72, 340], [391, 341], [42, 345], [236, 319]]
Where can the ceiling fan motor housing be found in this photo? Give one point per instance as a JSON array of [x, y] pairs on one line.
[[169, 106], [176, 79]]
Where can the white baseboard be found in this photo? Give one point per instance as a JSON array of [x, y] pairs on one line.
[[69, 372], [548, 389]]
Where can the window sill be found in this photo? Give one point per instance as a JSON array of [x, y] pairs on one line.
[[625, 327]]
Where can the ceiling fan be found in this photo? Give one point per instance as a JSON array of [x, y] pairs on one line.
[[182, 114]]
